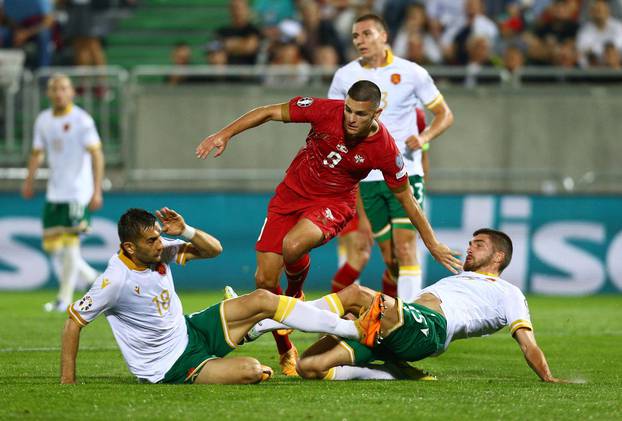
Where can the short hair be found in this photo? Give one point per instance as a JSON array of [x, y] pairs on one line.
[[365, 90], [380, 23], [133, 223], [500, 242], [58, 76]]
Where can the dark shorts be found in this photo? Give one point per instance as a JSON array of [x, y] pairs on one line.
[[287, 207], [207, 339], [422, 334], [384, 211]]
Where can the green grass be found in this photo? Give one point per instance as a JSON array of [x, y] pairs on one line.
[[484, 378]]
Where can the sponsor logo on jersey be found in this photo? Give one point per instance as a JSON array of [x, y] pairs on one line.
[[329, 214], [85, 303], [359, 159], [105, 283], [396, 78], [304, 102], [399, 161], [342, 148]]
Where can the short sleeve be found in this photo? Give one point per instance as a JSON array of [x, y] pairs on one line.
[[38, 141], [517, 311], [336, 90], [102, 296], [306, 109], [89, 137], [174, 251], [426, 89], [392, 167]]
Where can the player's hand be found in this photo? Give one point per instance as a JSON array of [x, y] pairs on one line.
[[215, 141], [446, 257], [172, 222], [415, 142], [96, 201], [27, 190]]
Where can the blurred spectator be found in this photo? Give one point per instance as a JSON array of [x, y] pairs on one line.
[[180, 56], [326, 57], [473, 23], [443, 13], [29, 22], [86, 27], [565, 55], [600, 30], [216, 58], [317, 31], [342, 14], [241, 38], [288, 56], [479, 56], [394, 12], [557, 26], [612, 57], [513, 59], [271, 12], [414, 32]]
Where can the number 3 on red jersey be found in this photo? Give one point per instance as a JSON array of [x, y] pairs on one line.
[[332, 159]]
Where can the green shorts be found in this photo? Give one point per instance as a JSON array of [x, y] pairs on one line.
[[384, 211], [206, 340], [422, 333], [62, 218]]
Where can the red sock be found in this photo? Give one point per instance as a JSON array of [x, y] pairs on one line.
[[283, 344], [296, 274], [345, 276], [389, 286]]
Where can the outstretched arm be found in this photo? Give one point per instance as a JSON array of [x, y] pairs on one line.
[[441, 253], [534, 355], [253, 118], [69, 352], [202, 244]]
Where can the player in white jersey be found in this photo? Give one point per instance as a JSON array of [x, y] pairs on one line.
[[404, 85], [159, 344], [69, 138], [474, 303]]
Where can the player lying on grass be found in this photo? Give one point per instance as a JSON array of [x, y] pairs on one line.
[[160, 344], [474, 303]]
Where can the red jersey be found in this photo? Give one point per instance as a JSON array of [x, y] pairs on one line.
[[328, 166]]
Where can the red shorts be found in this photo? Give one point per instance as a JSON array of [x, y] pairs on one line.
[[352, 225], [287, 207]]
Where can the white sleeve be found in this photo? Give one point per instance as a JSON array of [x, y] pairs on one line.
[[336, 90], [425, 89], [89, 137], [102, 296], [174, 250], [517, 311], [38, 141]]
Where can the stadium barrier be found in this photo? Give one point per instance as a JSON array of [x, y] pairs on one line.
[[562, 245]]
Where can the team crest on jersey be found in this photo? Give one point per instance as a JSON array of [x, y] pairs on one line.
[[359, 159], [342, 148], [396, 78], [66, 127], [85, 303], [304, 102]]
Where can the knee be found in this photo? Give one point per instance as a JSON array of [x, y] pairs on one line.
[[264, 301], [406, 250], [250, 370], [265, 280], [293, 249], [307, 369]]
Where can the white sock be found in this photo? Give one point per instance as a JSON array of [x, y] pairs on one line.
[[349, 372], [409, 283], [57, 263], [69, 273], [303, 316], [87, 273], [342, 255]]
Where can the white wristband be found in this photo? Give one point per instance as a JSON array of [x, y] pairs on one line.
[[189, 232]]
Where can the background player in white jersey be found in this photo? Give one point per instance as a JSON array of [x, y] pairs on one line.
[[159, 344], [474, 303], [69, 138], [404, 84]]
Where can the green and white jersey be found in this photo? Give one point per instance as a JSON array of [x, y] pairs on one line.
[[404, 86], [65, 140], [477, 304], [143, 310]]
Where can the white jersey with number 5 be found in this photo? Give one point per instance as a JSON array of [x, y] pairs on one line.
[[143, 310], [66, 139], [476, 304], [403, 85]]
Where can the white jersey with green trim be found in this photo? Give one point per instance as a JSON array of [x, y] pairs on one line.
[[65, 139], [404, 86], [143, 310], [477, 304]]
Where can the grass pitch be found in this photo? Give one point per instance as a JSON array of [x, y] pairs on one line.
[[483, 378]]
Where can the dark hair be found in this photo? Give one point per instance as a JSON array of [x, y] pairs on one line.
[[375, 18], [365, 90], [500, 242], [133, 223]]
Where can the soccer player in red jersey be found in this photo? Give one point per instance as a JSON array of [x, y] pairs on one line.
[[318, 195]]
